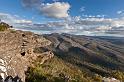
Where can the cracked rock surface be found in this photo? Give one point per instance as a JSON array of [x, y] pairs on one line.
[[16, 52]]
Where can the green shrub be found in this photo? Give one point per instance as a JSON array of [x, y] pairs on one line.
[[3, 26], [33, 75], [118, 75]]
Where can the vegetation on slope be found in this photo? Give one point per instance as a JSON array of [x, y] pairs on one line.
[[93, 62], [88, 53], [4, 26], [90, 61], [54, 70]]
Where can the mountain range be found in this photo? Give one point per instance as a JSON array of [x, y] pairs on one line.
[[60, 57]]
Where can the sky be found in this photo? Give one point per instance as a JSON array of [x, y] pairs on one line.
[[81, 17]]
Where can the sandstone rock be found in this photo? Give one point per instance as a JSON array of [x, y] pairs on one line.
[[16, 52]]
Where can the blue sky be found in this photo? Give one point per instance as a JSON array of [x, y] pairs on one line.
[[92, 7], [45, 11]]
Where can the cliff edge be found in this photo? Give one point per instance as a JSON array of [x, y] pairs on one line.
[[17, 52]]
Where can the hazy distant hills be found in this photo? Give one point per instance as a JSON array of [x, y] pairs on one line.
[[115, 40], [94, 54]]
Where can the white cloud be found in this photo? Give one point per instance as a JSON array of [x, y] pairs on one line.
[[23, 21], [56, 9], [13, 19], [119, 12], [72, 25], [93, 16], [82, 9], [87, 26]]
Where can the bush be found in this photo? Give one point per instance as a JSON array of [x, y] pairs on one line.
[[34, 75], [97, 78], [3, 26], [118, 75]]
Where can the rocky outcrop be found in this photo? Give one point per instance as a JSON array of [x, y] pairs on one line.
[[17, 52], [46, 56]]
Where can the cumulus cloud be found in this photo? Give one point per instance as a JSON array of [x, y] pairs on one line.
[[56, 9]]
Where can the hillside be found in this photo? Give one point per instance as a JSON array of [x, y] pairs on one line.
[[28, 57], [115, 40], [90, 54]]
